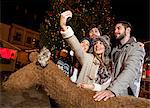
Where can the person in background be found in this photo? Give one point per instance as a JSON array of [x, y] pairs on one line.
[[63, 61], [96, 70], [128, 57], [94, 32], [85, 44]]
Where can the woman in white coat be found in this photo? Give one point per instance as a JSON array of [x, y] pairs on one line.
[[96, 68]]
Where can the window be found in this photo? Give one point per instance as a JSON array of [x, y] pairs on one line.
[[29, 38], [17, 37]]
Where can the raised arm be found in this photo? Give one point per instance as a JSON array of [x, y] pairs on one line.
[[68, 35]]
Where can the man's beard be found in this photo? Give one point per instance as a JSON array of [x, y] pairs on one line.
[[120, 37]]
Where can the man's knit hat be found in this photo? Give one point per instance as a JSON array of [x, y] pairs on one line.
[[106, 40]]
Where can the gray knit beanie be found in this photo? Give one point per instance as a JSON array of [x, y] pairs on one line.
[[106, 40]]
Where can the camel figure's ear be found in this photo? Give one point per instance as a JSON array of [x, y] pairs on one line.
[[33, 56]]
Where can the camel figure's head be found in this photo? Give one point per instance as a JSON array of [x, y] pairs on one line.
[[43, 57]]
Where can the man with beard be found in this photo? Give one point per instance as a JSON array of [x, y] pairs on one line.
[[128, 57]]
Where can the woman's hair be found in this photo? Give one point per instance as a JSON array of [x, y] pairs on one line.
[[104, 60]]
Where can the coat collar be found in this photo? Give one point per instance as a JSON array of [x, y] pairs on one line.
[[131, 40]]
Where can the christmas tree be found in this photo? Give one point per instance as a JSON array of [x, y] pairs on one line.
[[85, 13]]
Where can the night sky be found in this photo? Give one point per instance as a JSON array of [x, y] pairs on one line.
[[28, 13], [137, 12], [31, 13]]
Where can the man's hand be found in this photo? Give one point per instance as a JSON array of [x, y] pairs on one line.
[[103, 95], [63, 19]]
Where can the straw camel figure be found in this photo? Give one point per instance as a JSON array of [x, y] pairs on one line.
[[63, 91]]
